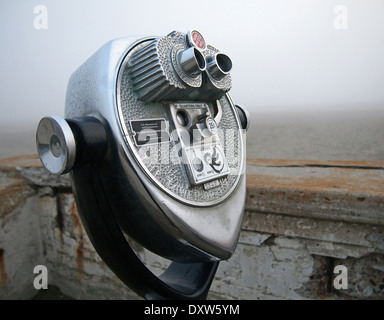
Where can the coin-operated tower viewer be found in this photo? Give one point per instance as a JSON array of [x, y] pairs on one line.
[[155, 148]]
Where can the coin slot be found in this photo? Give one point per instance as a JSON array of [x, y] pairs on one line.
[[182, 118]]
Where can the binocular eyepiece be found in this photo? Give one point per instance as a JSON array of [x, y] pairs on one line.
[[196, 71]]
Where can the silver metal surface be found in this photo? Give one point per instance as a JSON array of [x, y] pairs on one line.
[[162, 163], [203, 156], [55, 145], [191, 61], [204, 219], [219, 65], [155, 72]]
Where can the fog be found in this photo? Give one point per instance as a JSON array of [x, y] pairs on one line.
[[288, 55]]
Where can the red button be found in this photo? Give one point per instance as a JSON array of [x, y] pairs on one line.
[[198, 40]]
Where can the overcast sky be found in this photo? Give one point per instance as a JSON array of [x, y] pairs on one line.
[[287, 54]]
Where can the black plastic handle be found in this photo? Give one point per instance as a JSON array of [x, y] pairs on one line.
[[179, 281]]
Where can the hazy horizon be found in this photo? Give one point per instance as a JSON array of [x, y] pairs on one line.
[[301, 67], [321, 135], [287, 54]]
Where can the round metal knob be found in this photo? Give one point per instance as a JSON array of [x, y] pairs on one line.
[[55, 144]]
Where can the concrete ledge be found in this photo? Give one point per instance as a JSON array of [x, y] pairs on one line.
[[336, 202], [335, 190], [302, 219]]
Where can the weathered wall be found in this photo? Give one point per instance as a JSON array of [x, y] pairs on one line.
[[302, 219]]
